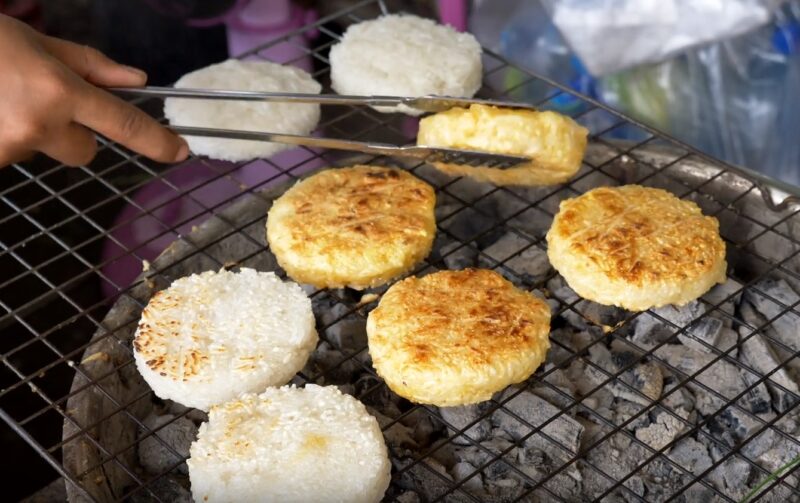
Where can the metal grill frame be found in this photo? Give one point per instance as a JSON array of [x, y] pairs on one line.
[[24, 379]]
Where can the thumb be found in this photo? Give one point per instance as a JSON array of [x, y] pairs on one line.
[[92, 65]]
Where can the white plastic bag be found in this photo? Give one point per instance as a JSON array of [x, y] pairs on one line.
[[612, 35]]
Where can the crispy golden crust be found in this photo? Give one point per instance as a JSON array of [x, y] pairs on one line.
[[211, 336], [152, 337], [636, 247], [359, 226], [457, 337], [555, 142]]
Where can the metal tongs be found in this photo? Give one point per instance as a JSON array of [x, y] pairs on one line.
[[422, 103]]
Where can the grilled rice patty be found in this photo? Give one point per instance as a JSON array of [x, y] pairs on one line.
[[555, 142], [457, 337], [211, 336], [636, 247], [359, 226], [311, 444]]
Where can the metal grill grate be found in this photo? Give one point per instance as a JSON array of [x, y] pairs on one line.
[[51, 305]]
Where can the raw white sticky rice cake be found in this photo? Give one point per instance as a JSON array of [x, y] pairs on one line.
[[312, 444], [403, 55], [211, 336], [291, 118]]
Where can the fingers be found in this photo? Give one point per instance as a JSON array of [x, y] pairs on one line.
[[127, 125], [73, 145], [92, 65], [10, 157], [87, 106]]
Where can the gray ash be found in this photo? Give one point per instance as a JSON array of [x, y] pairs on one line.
[[165, 443], [166, 488], [516, 258]]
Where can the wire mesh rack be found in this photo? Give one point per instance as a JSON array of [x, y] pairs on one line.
[[593, 424]]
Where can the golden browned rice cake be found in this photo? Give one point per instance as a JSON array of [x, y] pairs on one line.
[[636, 247], [457, 337], [358, 227], [555, 142]]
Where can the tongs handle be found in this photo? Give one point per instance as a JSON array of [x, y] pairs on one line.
[[292, 139], [429, 103], [421, 152], [217, 94]]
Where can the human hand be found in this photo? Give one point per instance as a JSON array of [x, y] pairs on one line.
[[50, 102]]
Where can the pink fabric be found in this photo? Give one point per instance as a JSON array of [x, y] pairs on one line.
[[205, 23], [141, 230], [27, 11], [454, 13]]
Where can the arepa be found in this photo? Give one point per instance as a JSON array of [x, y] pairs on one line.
[[554, 142], [358, 227], [636, 247], [457, 337], [305, 445], [211, 336]]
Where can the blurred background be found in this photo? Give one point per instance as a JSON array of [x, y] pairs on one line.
[[720, 75]]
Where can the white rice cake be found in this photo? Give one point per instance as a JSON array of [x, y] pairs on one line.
[[403, 55], [291, 118], [312, 444], [211, 336]]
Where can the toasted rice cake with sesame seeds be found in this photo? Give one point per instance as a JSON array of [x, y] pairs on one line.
[[555, 142], [312, 444], [636, 247], [211, 336], [457, 337], [359, 226]]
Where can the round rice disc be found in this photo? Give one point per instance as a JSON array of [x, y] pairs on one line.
[[211, 336], [358, 226], [457, 337], [403, 55], [636, 247], [312, 444], [554, 142], [291, 118]]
